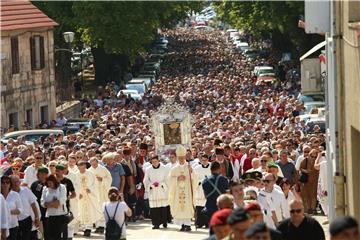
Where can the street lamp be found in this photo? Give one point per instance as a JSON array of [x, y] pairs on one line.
[[68, 37]]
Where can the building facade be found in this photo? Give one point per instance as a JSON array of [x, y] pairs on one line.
[[347, 41], [27, 65]]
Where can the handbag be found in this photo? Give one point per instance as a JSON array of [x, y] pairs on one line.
[[68, 217], [304, 176]]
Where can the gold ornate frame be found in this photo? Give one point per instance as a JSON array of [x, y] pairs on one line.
[[171, 126]]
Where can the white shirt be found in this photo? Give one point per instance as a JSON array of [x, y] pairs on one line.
[[13, 202], [61, 121], [27, 198], [119, 216], [48, 195], [290, 197], [4, 214], [99, 102], [30, 175], [278, 201], [33, 216], [298, 162], [267, 208]]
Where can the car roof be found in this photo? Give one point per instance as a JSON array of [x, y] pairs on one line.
[[139, 81], [263, 67], [78, 119], [34, 131], [314, 103]]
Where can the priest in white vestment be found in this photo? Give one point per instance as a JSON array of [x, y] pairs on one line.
[[102, 185], [155, 184], [181, 192], [88, 204], [73, 226], [201, 171]]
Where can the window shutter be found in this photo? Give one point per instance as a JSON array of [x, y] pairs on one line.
[[42, 53], [32, 52], [15, 55]]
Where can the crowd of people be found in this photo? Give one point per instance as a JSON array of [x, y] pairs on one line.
[[253, 170]]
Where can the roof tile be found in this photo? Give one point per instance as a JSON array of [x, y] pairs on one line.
[[21, 14]]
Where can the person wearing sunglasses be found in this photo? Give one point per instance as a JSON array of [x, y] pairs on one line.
[[300, 226], [14, 204], [16, 170], [31, 171]]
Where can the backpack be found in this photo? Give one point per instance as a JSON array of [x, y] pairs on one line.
[[113, 230]]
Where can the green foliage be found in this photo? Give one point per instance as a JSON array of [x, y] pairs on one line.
[[265, 18], [260, 16], [61, 12], [117, 26]]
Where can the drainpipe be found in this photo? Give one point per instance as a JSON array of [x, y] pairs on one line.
[[339, 178]]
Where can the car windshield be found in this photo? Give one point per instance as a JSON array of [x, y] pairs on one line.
[[264, 71], [309, 107], [34, 137], [311, 126], [139, 87], [312, 98]]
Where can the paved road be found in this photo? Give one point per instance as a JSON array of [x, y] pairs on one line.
[[142, 230]]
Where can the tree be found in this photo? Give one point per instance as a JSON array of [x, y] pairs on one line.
[[122, 30], [62, 13], [276, 20], [117, 31]]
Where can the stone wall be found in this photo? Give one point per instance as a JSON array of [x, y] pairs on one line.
[[29, 89], [71, 109], [349, 114]]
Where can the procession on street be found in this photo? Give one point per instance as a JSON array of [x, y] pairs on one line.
[[207, 146]]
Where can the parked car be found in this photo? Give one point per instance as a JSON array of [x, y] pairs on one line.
[[206, 28], [251, 53], [31, 135], [136, 96], [82, 122], [127, 91], [143, 72], [139, 86], [75, 125], [241, 45], [311, 105], [156, 57], [148, 82], [266, 79], [162, 40], [258, 70], [150, 76], [155, 65], [320, 121], [311, 97]]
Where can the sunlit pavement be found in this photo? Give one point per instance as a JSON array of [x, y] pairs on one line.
[[141, 230]]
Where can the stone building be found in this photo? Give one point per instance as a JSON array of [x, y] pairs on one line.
[[27, 65], [347, 26]]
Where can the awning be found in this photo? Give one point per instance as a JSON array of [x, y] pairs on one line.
[[314, 49]]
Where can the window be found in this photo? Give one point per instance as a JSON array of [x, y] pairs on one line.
[[13, 119], [37, 52], [15, 66], [354, 11], [44, 114], [29, 118]]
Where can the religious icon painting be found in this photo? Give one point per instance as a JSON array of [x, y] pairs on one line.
[[171, 125]]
